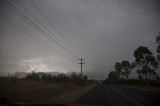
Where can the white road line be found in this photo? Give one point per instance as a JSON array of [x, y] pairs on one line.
[[129, 98]]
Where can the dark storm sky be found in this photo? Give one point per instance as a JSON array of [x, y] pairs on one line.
[[101, 31]]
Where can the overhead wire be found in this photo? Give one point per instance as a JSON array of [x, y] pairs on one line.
[[22, 16], [16, 25], [21, 28], [53, 25], [32, 23], [46, 29]]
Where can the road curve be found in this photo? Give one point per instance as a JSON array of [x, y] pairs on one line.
[[104, 95]]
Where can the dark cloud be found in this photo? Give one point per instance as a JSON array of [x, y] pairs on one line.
[[102, 31]]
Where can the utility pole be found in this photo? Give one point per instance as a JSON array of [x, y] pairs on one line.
[[81, 63]]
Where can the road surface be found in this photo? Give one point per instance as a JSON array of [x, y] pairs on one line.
[[103, 95]]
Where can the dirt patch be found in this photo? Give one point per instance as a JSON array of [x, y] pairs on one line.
[[71, 97]]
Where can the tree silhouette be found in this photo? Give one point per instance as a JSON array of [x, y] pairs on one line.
[[112, 77], [158, 47], [145, 62], [118, 69], [126, 68]]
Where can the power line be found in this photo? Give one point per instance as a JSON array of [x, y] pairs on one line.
[[15, 25], [48, 35], [36, 26], [50, 22], [18, 13], [21, 28], [52, 33]]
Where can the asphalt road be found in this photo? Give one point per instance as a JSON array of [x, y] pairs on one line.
[[103, 95]]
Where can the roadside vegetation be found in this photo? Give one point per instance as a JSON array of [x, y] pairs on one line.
[[146, 65], [40, 87]]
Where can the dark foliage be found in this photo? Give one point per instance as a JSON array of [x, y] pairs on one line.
[[61, 77]]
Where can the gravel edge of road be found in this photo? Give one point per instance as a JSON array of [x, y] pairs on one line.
[[72, 97], [142, 88]]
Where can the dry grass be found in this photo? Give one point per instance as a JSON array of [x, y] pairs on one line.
[[21, 91], [71, 97]]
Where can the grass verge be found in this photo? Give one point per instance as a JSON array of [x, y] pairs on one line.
[[70, 98], [23, 91]]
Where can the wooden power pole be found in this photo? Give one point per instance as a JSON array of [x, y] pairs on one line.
[[81, 63]]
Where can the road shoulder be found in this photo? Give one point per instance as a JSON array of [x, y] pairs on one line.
[[70, 98]]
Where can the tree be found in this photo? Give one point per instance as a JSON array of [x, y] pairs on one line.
[[158, 47], [118, 69], [112, 77], [158, 50], [126, 68], [145, 62]]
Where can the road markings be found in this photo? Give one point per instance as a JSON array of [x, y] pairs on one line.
[[129, 98]]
